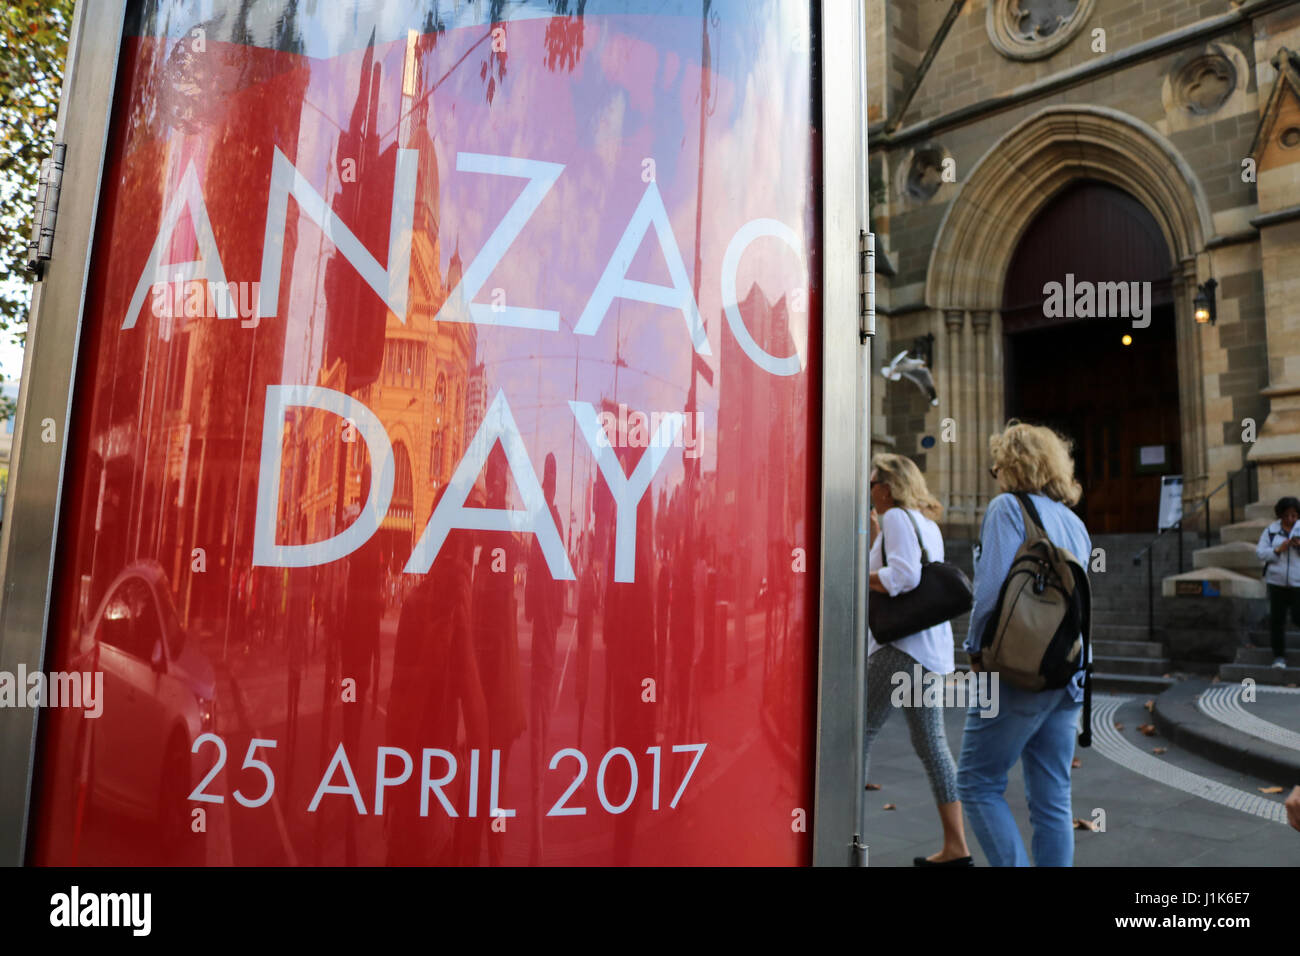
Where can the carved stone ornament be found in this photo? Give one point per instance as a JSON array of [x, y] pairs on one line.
[[924, 172], [1204, 84], [1034, 29]]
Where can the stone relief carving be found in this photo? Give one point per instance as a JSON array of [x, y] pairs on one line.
[[1033, 29], [1204, 85], [923, 172]]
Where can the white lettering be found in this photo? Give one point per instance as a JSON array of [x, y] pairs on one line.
[[266, 552], [389, 284], [460, 305], [498, 425]]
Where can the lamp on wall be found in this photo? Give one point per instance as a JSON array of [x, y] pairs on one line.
[[1204, 303]]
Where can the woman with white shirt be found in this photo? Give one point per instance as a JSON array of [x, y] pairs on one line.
[[902, 509], [1278, 548]]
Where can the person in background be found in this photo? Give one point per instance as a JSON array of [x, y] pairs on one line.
[[1035, 727], [544, 608], [1277, 548], [1293, 809], [898, 490]]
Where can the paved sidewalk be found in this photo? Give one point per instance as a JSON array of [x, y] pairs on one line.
[[1172, 809], [1251, 728]]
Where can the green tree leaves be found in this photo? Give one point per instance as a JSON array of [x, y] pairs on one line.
[[33, 44]]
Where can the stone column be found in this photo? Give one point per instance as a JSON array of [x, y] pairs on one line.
[[1191, 384], [969, 426], [980, 322], [951, 403], [1277, 450]]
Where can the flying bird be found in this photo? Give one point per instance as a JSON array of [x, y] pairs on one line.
[[914, 370]]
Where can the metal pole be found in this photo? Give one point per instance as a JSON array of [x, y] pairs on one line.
[[860, 558], [1180, 545], [867, 329], [1207, 522], [1151, 594], [838, 838]]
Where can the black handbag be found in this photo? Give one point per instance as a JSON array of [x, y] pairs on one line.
[[943, 593]]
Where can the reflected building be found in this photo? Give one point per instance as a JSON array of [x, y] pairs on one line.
[[416, 382], [173, 501]]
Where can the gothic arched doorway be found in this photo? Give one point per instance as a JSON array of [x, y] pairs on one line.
[[1075, 360]]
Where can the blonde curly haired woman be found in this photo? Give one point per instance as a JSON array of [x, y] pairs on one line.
[[902, 518], [1034, 728]]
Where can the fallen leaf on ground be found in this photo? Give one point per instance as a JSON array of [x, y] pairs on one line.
[[1084, 824], [1148, 729], [1150, 706], [1119, 726], [873, 786], [1270, 789], [890, 806], [1076, 763], [1159, 750]]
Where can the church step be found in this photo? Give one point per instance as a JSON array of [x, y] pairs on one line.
[[1248, 531], [1261, 638], [1138, 648], [1263, 657], [1236, 556], [1128, 604], [1104, 683], [1260, 511], [1133, 666], [1105, 598], [1122, 576], [1260, 674], [1132, 616], [1133, 584], [1120, 632]]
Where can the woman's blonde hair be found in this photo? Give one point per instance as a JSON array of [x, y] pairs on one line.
[[907, 484], [1036, 459]]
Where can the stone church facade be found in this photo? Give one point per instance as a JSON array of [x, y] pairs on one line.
[[1149, 143]]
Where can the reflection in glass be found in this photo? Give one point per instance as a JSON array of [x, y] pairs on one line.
[[458, 715]]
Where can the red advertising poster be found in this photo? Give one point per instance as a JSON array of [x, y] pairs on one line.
[[444, 485]]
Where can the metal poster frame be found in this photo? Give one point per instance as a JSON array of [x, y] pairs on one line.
[[27, 543], [27, 551], [845, 423]]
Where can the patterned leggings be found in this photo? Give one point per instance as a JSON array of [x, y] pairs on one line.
[[925, 724]]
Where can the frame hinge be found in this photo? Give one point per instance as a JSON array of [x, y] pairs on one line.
[[41, 247], [867, 273]]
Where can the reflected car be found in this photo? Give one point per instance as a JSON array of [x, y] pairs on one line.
[[158, 697]]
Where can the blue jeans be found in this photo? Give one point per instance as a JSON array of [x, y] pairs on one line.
[[1039, 729]]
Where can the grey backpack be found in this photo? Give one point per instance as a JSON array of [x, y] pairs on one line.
[[1037, 636]]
